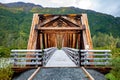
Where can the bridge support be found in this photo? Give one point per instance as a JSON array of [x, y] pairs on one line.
[[59, 31]]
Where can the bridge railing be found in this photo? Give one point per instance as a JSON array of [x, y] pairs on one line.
[[47, 54], [22, 58], [73, 54], [95, 57], [88, 57]]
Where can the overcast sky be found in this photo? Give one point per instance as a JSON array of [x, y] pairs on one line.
[[105, 6]]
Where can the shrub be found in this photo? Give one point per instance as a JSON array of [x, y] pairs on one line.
[[5, 69]]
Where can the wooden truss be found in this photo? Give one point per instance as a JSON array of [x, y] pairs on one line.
[[60, 31]]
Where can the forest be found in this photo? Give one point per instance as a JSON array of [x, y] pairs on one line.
[[15, 23]]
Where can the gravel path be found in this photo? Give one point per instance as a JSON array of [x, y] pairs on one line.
[[60, 74], [96, 75], [25, 75]]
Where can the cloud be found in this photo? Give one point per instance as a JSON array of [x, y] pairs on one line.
[[107, 6]]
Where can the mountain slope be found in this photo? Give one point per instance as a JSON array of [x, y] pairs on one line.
[[15, 22], [22, 4]]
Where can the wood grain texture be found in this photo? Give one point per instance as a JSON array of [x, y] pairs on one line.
[[59, 31]]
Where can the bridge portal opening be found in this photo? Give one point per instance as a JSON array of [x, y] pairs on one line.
[[59, 31], [59, 39]]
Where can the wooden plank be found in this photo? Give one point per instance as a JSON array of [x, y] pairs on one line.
[[82, 46], [74, 39], [41, 41], [38, 41], [65, 40], [71, 40], [60, 32], [33, 75], [87, 31], [60, 28], [79, 38], [33, 33], [45, 40], [48, 40], [68, 42], [86, 34]]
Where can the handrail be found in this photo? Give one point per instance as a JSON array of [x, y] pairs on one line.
[[98, 57], [31, 57], [95, 50], [26, 50], [47, 54], [88, 57], [72, 54]]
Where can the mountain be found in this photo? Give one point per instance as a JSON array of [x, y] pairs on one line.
[[22, 4], [16, 18], [25, 6]]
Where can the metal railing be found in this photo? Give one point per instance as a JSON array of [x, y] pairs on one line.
[[47, 54], [73, 54], [88, 57], [95, 57], [22, 58]]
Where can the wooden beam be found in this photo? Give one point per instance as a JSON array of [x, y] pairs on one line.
[[60, 32], [41, 44], [79, 38], [70, 22], [74, 39], [86, 33], [48, 21], [33, 33], [38, 41], [43, 41], [60, 28], [45, 36]]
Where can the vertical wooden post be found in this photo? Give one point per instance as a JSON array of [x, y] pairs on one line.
[[33, 33], [65, 41], [38, 40], [68, 42], [74, 38], [43, 40], [86, 33], [79, 38], [82, 46]]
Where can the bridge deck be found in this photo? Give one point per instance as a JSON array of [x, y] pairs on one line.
[[60, 59]]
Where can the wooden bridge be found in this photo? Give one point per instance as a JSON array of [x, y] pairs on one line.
[[59, 41]]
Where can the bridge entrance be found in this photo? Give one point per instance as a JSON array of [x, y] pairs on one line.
[[70, 33], [59, 31], [58, 38]]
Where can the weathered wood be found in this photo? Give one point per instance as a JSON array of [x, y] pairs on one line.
[[74, 41], [41, 45], [60, 31], [87, 31], [60, 28], [86, 35], [79, 38], [38, 41], [45, 40], [33, 33]]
